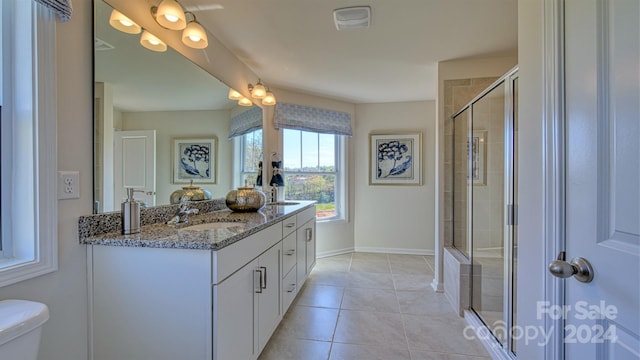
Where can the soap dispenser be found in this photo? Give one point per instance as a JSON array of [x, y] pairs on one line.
[[130, 214]]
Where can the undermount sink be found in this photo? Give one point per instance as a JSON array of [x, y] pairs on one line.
[[283, 203], [213, 226]]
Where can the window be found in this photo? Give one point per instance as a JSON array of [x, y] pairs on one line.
[[250, 156], [313, 169], [28, 141]]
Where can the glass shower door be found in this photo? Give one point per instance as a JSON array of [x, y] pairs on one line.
[[488, 190]]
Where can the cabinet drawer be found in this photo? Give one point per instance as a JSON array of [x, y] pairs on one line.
[[289, 225], [288, 253], [289, 289]]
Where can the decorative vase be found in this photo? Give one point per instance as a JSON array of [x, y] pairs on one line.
[[245, 199], [189, 193]]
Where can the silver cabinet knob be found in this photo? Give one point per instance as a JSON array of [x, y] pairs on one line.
[[579, 268]]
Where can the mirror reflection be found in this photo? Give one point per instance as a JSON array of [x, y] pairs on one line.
[[146, 102]]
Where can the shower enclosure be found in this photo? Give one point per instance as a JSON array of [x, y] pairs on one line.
[[484, 144]]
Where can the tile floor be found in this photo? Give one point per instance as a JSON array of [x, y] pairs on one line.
[[374, 307]]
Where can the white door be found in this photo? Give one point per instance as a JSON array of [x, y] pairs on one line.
[[135, 165], [602, 68]]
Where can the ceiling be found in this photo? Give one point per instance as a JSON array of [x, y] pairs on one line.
[[293, 44]]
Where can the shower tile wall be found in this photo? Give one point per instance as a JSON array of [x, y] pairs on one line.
[[457, 93]]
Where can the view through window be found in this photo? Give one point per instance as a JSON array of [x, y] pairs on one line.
[[311, 164]]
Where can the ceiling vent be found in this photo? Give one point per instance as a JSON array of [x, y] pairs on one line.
[[350, 18]]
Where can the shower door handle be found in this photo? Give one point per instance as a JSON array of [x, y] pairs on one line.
[[579, 268]]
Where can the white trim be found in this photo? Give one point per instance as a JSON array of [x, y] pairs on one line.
[[554, 164], [324, 254], [45, 259], [401, 251]]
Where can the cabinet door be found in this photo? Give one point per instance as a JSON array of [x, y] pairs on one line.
[[269, 313], [310, 238], [306, 239], [234, 309]]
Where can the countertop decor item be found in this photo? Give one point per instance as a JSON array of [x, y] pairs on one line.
[[191, 193], [245, 199]]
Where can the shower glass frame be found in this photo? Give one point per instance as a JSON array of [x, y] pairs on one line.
[[463, 124]]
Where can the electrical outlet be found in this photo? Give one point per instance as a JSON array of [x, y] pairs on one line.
[[68, 185]]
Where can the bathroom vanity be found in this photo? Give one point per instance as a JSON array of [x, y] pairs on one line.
[[214, 288]]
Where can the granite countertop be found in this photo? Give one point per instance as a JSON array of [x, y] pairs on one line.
[[161, 235]]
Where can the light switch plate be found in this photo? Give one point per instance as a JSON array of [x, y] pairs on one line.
[[68, 185]]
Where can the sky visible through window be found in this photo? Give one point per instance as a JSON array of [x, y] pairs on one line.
[[307, 150]]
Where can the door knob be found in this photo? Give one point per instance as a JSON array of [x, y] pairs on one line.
[[579, 268]]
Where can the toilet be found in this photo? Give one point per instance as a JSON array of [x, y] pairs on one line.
[[20, 326]]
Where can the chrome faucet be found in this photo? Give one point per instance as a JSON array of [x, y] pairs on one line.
[[183, 212]]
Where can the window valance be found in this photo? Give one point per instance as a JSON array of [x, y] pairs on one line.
[[60, 7], [246, 122], [298, 117]]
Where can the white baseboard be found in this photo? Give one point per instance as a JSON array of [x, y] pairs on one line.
[[394, 250], [334, 252]]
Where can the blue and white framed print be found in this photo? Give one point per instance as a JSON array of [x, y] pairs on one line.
[[395, 158], [194, 159]]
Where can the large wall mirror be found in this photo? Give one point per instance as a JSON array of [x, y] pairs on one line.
[[147, 105]]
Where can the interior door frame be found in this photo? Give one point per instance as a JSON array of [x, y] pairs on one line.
[[554, 147]]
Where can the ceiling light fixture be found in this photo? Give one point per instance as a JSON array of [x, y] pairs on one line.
[[244, 102], [194, 35], [258, 91], [234, 95], [120, 22], [170, 15], [149, 41], [269, 99]]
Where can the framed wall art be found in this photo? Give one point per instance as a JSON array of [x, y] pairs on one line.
[[194, 159], [478, 151], [395, 158]]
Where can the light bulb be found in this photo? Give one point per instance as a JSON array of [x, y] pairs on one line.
[[244, 102], [151, 42], [120, 22], [195, 36], [234, 95], [258, 91], [170, 14], [269, 99]]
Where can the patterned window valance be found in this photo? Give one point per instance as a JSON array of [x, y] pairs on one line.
[[298, 117], [60, 7], [246, 122]]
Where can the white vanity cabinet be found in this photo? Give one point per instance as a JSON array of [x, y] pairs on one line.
[[167, 303], [246, 308]]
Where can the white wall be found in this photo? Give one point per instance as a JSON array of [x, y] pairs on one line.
[[64, 336], [395, 218], [185, 124]]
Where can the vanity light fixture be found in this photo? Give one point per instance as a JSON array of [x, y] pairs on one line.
[[194, 35], [149, 41], [234, 95], [258, 91], [244, 102], [269, 99], [120, 22], [170, 15]]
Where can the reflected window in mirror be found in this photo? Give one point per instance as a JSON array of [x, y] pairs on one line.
[[251, 158]]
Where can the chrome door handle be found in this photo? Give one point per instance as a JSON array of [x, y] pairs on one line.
[[579, 268], [261, 285]]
